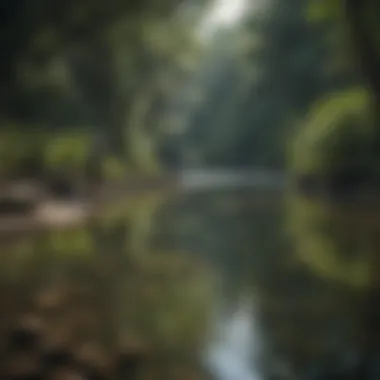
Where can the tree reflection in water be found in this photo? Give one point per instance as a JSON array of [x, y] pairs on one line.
[[230, 355], [330, 330], [80, 302], [226, 285]]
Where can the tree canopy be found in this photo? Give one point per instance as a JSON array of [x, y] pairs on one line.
[[103, 70]]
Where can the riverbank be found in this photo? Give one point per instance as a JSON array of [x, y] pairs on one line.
[[33, 209], [22, 211]]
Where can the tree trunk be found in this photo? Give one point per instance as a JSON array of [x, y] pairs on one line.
[[365, 49], [363, 44]]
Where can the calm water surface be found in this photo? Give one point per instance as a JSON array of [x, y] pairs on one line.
[[225, 285]]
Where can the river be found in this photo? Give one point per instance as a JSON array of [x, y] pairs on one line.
[[205, 284]]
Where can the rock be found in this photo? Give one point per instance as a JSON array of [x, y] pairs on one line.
[[20, 197], [60, 213]]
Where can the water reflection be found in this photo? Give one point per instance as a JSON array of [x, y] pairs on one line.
[[222, 285], [230, 355], [336, 244], [94, 289]]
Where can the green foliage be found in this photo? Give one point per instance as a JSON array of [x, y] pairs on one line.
[[87, 64], [39, 152], [322, 10], [280, 63], [162, 296], [67, 152], [114, 168], [18, 149], [336, 239], [338, 133], [333, 242], [76, 242]]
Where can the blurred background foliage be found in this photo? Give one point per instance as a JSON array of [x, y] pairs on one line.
[[134, 85], [109, 89], [85, 79]]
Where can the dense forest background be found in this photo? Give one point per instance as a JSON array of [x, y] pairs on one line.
[[95, 89], [123, 86]]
